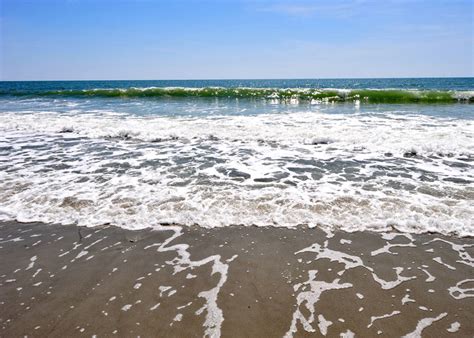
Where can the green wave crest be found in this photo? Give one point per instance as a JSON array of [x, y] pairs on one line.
[[329, 95]]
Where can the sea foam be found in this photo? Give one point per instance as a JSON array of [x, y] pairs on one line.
[[353, 171]]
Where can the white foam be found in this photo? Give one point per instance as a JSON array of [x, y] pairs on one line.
[[154, 307], [430, 277], [423, 324], [126, 307], [207, 195], [460, 292], [36, 273], [94, 243], [407, 299], [184, 306], [81, 254], [309, 299], [388, 246], [323, 324], [454, 327], [32, 262], [440, 261], [347, 334], [163, 289], [387, 285], [465, 257], [388, 315], [351, 262], [214, 315]]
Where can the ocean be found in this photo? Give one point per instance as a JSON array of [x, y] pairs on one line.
[[348, 154]]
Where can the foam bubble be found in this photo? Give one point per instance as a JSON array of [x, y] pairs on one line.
[[347, 171]]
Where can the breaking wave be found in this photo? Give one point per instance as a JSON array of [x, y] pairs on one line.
[[283, 95]]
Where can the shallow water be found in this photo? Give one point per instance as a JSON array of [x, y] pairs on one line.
[[137, 162]]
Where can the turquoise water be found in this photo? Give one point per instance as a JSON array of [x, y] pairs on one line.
[[348, 154], [401, 83]]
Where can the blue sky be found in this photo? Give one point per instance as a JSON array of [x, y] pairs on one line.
[[199, 39]]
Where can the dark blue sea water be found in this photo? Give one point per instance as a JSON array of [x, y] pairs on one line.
[[386, 83]]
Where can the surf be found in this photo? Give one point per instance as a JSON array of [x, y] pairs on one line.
[[275, 94]]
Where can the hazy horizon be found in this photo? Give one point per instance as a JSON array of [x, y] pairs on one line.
[[244, 79]]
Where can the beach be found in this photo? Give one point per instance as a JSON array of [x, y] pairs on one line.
[[274, 168], [233, 282], [237, 208]]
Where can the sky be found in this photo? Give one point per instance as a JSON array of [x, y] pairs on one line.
[[219, 39]]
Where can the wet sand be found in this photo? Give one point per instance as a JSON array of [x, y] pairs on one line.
[[175, 281]]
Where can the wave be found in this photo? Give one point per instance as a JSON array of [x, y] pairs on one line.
[[284, 95], [412, 173], [378, 135]]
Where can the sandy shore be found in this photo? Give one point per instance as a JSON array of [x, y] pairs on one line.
[[61, 281]]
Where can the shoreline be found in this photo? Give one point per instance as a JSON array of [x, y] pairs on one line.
[[232, 281], [157, 227]]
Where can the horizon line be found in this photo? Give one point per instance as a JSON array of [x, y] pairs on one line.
[[254, 79]]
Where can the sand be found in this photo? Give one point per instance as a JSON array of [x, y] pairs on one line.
[[236, 281]]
